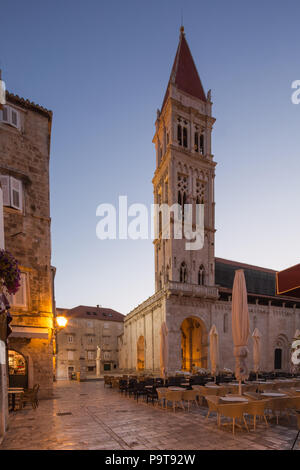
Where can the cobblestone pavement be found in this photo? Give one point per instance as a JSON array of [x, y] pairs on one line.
[[88, 416]]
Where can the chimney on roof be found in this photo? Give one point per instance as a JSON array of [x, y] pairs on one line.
[[2, 91]]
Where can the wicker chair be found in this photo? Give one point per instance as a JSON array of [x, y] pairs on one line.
[[107, 380], [235, 412], [258, 408], [213, 403], [161, 396], [31, 396], [190, 396], [174, 398], [277, 406]]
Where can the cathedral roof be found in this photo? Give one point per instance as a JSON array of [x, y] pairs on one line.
[[92, 313], [184, 74], [260, 281]]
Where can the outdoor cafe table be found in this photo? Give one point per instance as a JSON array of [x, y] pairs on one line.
[[13, 392], [273, 394], [176, 389], [230, 399]]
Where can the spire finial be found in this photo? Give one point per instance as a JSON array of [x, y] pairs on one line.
[[181, 27]]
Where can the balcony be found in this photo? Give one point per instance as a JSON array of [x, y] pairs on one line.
[[192, 290]]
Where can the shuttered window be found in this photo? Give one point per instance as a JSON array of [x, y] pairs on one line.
[[4, 180], [20, 298], [70, 355], [10, 116], [12, 192]]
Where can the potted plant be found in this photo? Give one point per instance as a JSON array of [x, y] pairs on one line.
[[9, 273]]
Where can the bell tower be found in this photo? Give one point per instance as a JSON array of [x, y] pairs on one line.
[[185, 171]]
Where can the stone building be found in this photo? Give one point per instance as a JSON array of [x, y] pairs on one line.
[[89, 342], [193, 287], [25, 132]]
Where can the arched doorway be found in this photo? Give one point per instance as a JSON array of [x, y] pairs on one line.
[[141, 353], [281, 353], [278, 359], [193, 353], [17, 369]]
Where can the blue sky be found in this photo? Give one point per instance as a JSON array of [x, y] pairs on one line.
[[103, 67]]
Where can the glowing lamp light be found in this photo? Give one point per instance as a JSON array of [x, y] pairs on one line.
[[61, 321]]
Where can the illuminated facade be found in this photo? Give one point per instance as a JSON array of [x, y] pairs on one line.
[[25, 132]]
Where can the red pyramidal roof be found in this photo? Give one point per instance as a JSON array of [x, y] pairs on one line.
[[184, 74]]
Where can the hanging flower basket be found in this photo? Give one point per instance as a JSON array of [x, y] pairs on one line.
[[9, 272]]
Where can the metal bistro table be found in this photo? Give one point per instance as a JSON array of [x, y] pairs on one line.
[[13, 391], [176, 389]]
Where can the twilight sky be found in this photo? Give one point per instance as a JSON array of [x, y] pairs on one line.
[[103, 68]]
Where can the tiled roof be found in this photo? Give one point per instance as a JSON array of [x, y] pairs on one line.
[[184, 74], [15, 99], [92, 313], [288, 281]]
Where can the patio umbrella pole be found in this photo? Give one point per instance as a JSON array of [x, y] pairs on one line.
[[295, 440]]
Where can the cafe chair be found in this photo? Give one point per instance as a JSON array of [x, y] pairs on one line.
[[31, 396], [175, 398], [235, 412], [257, 408], [190, 396]]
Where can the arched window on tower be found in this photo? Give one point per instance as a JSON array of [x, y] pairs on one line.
[[196, 143], [202, 144], [201, 275], [183, 273], [185, 137], [182, 201], [179, 134], [182, 132]]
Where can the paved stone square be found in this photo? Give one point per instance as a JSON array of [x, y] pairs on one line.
[[86, 415]]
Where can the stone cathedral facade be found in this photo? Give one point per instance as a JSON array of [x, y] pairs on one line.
[[192, 287]]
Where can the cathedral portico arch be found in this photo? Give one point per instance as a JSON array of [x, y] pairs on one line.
[[188, 342], [193, 343]]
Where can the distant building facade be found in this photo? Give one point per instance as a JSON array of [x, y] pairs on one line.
[[193, 288], [25, 134], [90, 339]]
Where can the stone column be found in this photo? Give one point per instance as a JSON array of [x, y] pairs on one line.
[[82, 365], [98, 359], [174, 343]]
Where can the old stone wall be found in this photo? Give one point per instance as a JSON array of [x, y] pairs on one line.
[[24, 156]]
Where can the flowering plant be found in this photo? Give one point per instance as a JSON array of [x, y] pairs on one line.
[[9, 272]]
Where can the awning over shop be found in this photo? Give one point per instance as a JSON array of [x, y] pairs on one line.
[[288, 282], [29, 332]]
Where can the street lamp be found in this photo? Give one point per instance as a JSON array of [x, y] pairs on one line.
[[61, 321]]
